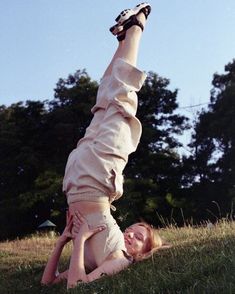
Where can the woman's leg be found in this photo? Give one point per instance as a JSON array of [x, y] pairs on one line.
[[127, 50], [100, 164], [119, 132], [129, 47]]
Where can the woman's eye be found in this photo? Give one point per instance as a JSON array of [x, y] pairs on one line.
[[138, 237]]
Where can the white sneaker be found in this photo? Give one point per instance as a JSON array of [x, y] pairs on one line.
[[126, 14]]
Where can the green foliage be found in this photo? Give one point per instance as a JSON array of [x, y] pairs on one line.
[[212, 165], [35, 140], [176, 203]]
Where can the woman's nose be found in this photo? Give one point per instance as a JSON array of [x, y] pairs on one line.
[[131, 234]]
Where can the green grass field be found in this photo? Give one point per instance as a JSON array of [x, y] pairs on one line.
[[201, 260]]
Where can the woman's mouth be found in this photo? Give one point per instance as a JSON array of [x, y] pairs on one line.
[[127, 241]]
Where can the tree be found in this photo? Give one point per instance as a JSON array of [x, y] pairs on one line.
[[213, 145], [35, 140], [68, 117], [20, 134], [20, 158]]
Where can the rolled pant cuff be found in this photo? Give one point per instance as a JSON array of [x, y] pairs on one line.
[[124, 78]]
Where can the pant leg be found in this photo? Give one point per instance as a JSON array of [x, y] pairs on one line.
[[98, 110], [102, 94], [120, 122], [118, 91], [99, 163]]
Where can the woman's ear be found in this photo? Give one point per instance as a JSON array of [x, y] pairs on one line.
[[139, 257]]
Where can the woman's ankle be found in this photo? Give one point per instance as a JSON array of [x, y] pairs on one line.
[[134, 30], [142, 18]]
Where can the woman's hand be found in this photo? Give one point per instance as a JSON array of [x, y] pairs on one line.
[[81, 225]]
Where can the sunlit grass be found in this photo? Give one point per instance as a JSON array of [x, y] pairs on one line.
[[201, 260]]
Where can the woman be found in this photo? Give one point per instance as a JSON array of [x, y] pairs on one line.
[[93, 175]]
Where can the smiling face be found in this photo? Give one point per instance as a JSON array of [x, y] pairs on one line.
[[136, 238]]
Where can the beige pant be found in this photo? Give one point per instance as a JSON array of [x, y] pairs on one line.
[[94, 169], [101, 245]]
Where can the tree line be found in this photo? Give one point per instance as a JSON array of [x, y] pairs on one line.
[[161, 186]]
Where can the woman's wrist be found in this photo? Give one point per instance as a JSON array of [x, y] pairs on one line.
[[80, 238], [62, 241]]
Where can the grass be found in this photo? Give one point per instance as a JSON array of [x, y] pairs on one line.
[[201, 260]]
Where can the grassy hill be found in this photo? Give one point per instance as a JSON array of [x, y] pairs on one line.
[[201, 260]]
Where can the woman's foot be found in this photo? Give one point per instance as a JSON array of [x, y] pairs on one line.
[[143, 7], [129, 17], [133, 21]]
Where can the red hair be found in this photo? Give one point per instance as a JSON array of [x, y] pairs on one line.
[[153, 242]]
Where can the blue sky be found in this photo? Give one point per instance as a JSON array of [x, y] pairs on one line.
[[41, 41]]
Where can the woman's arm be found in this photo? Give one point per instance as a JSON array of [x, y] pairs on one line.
[[76, 273], [110, 267], [51, 269], [76, 267], [51, 274]]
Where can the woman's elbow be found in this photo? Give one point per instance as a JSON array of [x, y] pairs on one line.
[[73, 284], [45, 282]]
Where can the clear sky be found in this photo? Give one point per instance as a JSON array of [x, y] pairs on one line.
[[41, 41]]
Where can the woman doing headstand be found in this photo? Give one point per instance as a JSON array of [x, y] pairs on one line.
[[93, 175]]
